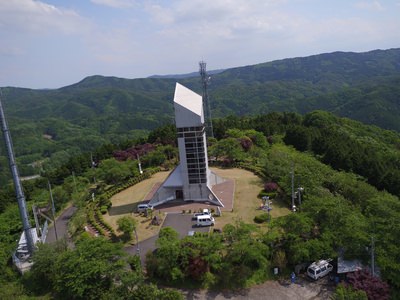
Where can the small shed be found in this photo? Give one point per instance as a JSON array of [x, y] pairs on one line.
[[348, 266]]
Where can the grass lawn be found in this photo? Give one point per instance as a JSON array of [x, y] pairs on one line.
[[245, 205], [125, 202]]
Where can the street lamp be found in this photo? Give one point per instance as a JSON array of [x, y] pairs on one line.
[[299, 192], [139, 164], [292, 175], [137, 245], [267, 206]]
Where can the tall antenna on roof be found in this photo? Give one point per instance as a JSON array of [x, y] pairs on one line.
[[205, 79], [17, 182]]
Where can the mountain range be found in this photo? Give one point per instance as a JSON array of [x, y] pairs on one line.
[[361, 86]]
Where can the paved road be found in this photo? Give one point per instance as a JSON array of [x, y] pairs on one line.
[[61, 225], [303, 289], [181, 223]]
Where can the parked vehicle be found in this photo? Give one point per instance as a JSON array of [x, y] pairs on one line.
[[205, 212], [143, 208], [319, 269], [205, 220]]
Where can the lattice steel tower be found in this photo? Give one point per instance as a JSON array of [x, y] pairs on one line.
[[17, 183], [205, 79]]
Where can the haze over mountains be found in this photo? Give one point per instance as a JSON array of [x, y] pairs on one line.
[[98, 109]]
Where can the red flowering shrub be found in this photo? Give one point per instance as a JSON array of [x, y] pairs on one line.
[[133, 152], [246, 143], [374, 287], [270, 186]]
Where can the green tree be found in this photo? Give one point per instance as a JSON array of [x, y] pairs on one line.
[[155, 158], [228, 148], [127, 225], [150, 292], [258, 138], [165, 262], [14, 290], [348, 293], [245, 261], [113, 171], [201, 254], [165, 135], [41, 277], [88, 271]]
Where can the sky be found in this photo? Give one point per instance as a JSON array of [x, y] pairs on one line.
[[54, 43]]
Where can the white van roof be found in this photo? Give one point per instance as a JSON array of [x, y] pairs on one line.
[[201, 217]]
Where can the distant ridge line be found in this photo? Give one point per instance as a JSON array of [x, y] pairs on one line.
[[187, 75]]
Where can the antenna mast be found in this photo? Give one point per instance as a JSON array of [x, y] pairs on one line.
[[205, 79], [17, 183]]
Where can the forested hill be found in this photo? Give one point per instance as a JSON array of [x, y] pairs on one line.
[[85, 115], [361, 86]]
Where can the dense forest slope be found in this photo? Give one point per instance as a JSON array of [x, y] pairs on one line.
[[85, 115]]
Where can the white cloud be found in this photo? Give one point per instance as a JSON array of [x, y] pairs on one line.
[[37, 16], [114, 46], [221, 18], [115, 3], [370, 5]]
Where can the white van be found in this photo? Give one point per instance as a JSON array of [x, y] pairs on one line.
[[319, 269], [143, 207], [205, 220], [203, 213]]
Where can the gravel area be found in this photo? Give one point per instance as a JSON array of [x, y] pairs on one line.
[[303, 289]]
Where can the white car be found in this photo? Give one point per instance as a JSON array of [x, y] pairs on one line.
[[205, 220], [205, 212], [143, 207], [319, 269]]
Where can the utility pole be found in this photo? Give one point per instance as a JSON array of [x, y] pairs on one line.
[[373, 256], [292, 173], [17, 182], [300, 190], [73, 178], [137, 246], [53, 210], [93, 165]]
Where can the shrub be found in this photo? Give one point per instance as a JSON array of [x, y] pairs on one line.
[[374, 287], [103, 210], [270, 186], [263, 193], [261, 218]]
